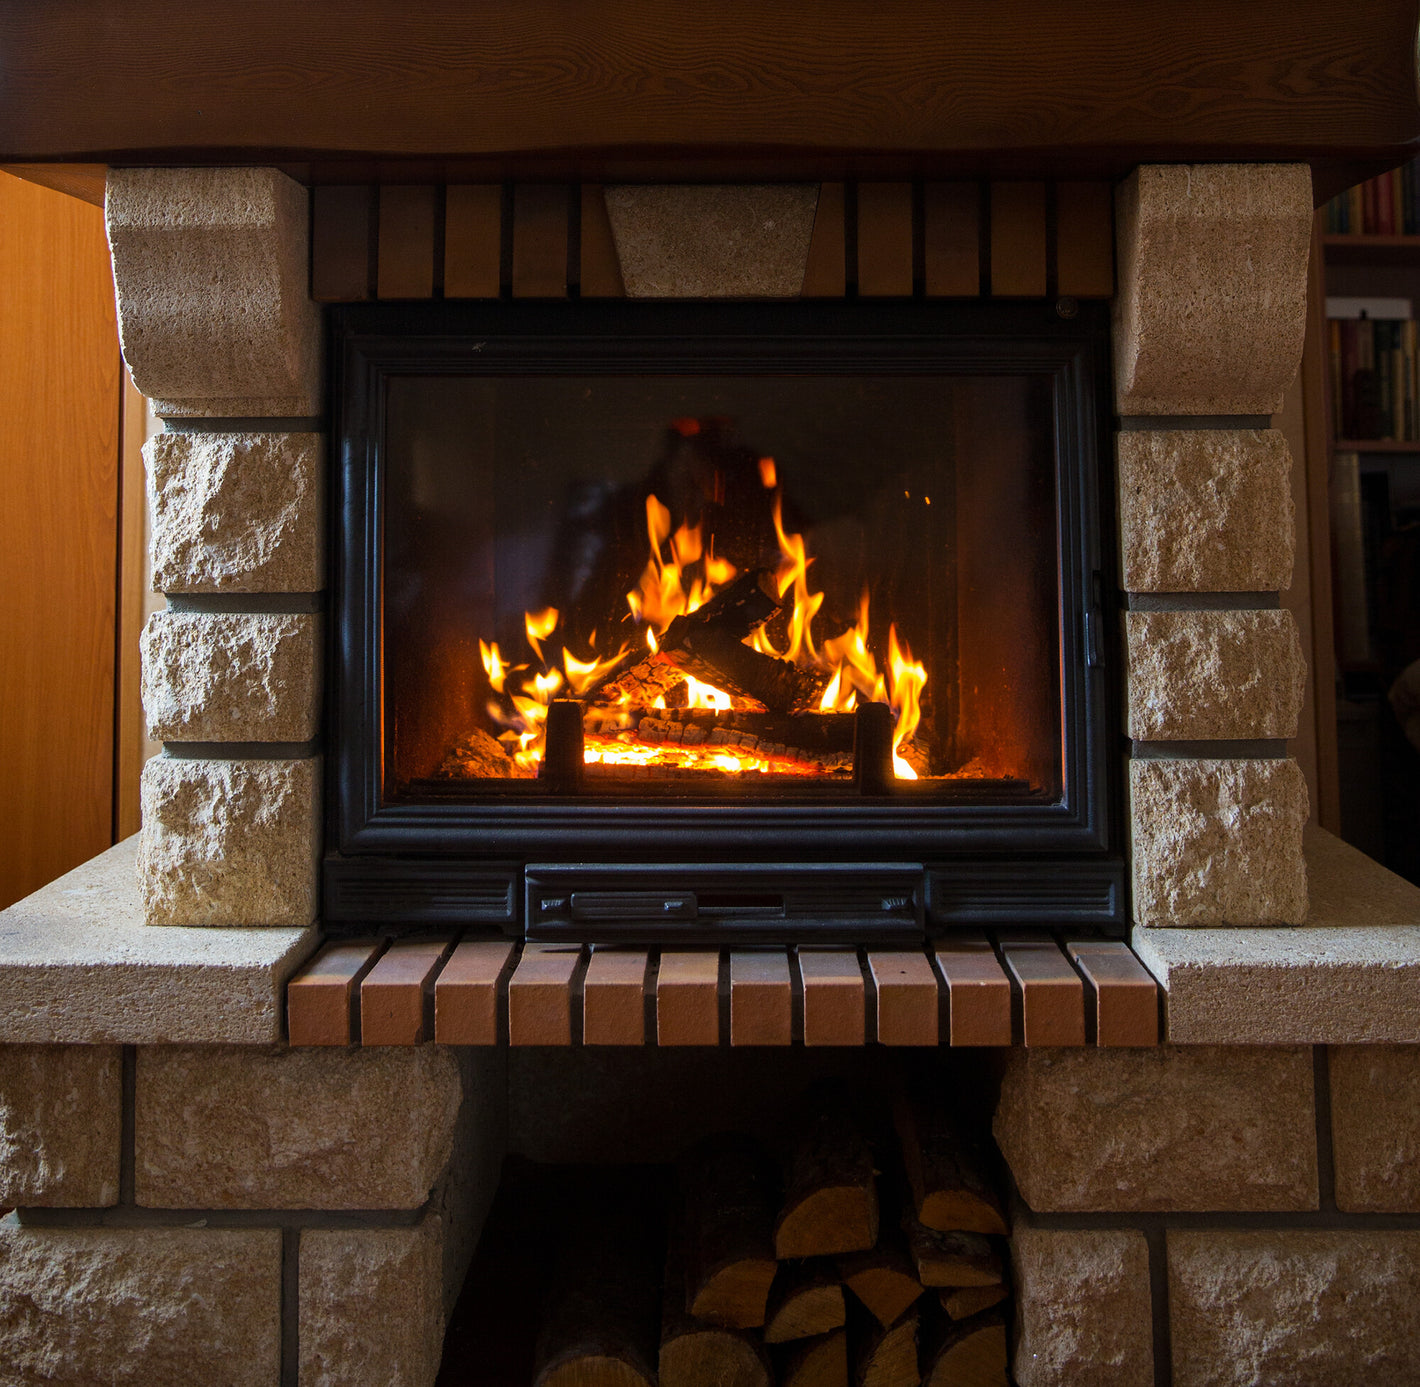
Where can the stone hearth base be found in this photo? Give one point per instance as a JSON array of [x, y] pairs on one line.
[[191, 1209]]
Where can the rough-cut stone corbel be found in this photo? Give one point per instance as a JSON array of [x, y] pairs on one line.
[[1218, 842], [237, 512], [1083, 1308], [214, 313], [1203, 676], [231, 677], [1211, 308], [229, 842], [1205, 510], [702, 241]]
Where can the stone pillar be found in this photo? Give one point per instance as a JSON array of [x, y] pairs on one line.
[[1209, 322], [219, 331]]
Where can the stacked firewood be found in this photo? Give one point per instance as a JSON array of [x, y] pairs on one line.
[[852, 1262]]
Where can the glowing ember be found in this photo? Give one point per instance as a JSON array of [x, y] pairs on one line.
[[682, 573]]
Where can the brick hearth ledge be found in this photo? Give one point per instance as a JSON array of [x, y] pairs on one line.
[[78, 966]]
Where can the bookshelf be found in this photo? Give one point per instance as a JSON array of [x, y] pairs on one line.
[[1382, 252], [1368, 248]]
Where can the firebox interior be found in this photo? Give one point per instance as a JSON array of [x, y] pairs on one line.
[[551, 536], [687, 600]]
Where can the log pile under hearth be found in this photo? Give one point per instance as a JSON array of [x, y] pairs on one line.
[[857, 1258]]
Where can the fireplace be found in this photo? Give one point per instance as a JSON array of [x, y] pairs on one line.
[[818, 584], [1208, 1173]]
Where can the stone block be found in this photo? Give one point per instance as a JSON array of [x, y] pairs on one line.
[[1205, 510], [243, 1128], [1308, 1308], [1210, 311], [78, 966], [1084, 1316], [237, 512], [229, 842], [210, 268], [1375, 1127], [151, 1307], [231, 677], [60, 1119], [1205, 675], [701, 241], [1200, 1128], [1349, 976], [1218, 842], [371, 1306]]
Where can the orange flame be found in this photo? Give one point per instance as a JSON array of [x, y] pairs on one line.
[[681, 574]]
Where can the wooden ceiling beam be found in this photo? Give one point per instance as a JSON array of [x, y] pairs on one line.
[[1094, 85]]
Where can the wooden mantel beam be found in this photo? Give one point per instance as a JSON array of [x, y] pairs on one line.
[[606, 80]]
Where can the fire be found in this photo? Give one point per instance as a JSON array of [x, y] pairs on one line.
[[675, 583], [681, 574]]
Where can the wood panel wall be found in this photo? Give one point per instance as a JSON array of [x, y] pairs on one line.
[[60, 536], [870, 240]]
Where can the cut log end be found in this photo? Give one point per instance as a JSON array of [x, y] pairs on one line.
[[818, 1362], [889, 1357], [972, 1354], [593, 1370], [735, 1296], [954, 1259], [830, 1221], [886, 1292], [962, 1210], [708, 1357], [966, 1301], [810, 1304]]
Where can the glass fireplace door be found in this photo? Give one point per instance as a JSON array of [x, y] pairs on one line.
[[718, 570]]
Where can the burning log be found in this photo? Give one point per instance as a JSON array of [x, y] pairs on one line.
[[708, 644], [807, 1301], [701, 1355], [948, 1189], [729, 1243], [832, 1201], [969, 1354], [818, 1362]]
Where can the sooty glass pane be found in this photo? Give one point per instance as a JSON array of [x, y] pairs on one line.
[[719, 570]]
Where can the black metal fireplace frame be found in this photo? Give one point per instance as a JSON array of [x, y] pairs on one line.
[[465, 862]]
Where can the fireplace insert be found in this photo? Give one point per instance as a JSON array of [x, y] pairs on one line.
[[741, 621]]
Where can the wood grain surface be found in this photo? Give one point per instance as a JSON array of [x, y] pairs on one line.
[[687, 998], [907, 997], [1272, 78], [540, 995], [979, 993], [466, 992], [1122, 1001], [614, 997], [322, 999], [473, 240], [1048, 990], [834, 996], [761, 998], [396, 993], [59, 536]]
